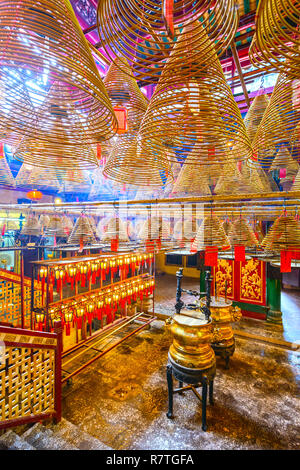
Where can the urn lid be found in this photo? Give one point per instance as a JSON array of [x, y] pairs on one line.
[[190, 318], [216, 302]]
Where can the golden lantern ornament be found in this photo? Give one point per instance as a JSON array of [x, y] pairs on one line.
[[48, 34], [137, 31]]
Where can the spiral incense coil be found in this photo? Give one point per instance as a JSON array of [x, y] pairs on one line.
[[54, 227], [234, 181], [155, 228], [255, 114], [32, 226], [115, 229], [227, 226], [191, 180], [37, 177], [94, 227], [279, 122], [255, 179], [277, 36], [135, 30], [82, 232], [283, 235], [296, 183], [44, 220], [242, 234], [284, 160], [129, 163], [6, 176], [185, 231], [197, 112], [45, 44], [123, 90], [212, 234], [67, 224]]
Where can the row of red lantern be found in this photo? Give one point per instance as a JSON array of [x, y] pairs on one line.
[[99, 304]]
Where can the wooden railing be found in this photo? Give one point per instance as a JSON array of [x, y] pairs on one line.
[[15, 308], [30, 376]]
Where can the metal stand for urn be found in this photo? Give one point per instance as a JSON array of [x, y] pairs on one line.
[[191, 358]]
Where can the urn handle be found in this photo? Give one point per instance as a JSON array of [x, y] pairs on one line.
[[236, 313], [216, 336]]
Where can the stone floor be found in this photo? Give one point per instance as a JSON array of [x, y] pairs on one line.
[[122, 398]]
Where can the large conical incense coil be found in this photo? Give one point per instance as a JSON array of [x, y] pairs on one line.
[[45, 44], [82, 232], [233, 181], [283, 235], [67, 224], [277, 36], [191, 179], [278, 123], [185, 231], [115, 229], [136, 32], [156, 227], [6, 176], [296, 183], [242, 234], [227, 226], [284, 160], [128, 163], [211, 234], [37, 177], [123, 90], [32, 226], [196, 113], [44, 220], [55, 227], [255, 180], [94, 227], [255, 114]]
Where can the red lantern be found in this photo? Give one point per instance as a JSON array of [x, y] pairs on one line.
[[34, 195], [121, 115]]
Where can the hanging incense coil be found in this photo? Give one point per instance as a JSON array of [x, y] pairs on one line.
[[279, 122], [191, 179], [234, 181], [242, 234], [197, 113], [255, 114], [67, 225], [82, 232], [54, 227], [283, 160], [277, 36], [156, 227], [135, 31], [185, 231], [116, 229], [6, 176], [37, 177], [44, 220], [227, 226], [32, 226], [283, 235], [212, 234], [123, 90], [94, 227], [45, 44], [296, 183], [128, 163]]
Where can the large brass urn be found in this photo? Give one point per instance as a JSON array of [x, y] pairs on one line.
[[223, 314], [192, 335]]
